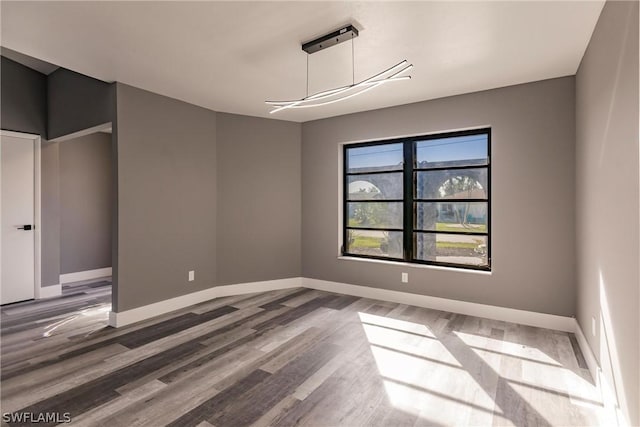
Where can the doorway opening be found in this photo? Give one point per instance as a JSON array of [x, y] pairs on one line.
[[73, 206], [86, 211]]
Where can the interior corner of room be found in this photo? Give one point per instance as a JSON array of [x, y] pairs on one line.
[[145, 202]]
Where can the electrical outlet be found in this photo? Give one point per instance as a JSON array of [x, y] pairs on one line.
[[405, 277], [593, 326], [192, 275]]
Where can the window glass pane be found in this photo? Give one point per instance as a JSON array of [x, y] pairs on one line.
[[451, 248], [384, 157], [374, 243], [375, 214], [452, 184], [380, 186], [454, 151], [470, 217]]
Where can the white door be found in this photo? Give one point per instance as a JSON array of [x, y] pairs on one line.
[[18, 243]]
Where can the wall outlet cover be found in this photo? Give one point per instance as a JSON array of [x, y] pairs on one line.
[[192, 275]]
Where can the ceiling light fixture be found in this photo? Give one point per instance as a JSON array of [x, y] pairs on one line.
[[345, 92]]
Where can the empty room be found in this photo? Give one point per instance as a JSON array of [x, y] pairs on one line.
[[340, 213]]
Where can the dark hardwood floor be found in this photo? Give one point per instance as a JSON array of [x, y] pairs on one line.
[[291, 357]]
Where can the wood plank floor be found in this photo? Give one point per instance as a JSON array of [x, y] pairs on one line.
[[291, 357]]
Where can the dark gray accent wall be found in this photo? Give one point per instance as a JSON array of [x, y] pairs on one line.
[[608, 212], [50, 213], [24, 98], [259, 199], [166, 225], [77, 102], [532, 196], [85, 203]]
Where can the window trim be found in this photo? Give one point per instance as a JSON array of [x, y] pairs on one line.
[[408, 170]]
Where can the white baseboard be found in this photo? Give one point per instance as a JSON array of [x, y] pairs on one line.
[[609, 397], [123, 318], [85, 275], [541, 320], [49, 291], [589, 357], [523, 317]]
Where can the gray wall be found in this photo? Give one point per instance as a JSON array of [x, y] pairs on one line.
[[259, 199], [607, 199], [533, 132], [24, 98], [50, 212], [86, 195], [77, 102], [166, 225], [191, 180]]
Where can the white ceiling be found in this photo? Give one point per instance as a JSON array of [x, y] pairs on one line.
[[232, 56]]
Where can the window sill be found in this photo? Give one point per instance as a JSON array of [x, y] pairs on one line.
[[412, 265]]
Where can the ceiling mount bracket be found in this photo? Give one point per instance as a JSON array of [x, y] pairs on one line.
[[336, 37]]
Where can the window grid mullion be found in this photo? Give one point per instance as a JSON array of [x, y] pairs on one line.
[[409, 152], [375, 200], [463, 233], [450, 200], [374, 172], [399, 230], [454, 167]]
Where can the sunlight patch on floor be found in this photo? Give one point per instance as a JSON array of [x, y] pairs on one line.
[[395, 324], [547, 385], [421, 376], [535, 366]]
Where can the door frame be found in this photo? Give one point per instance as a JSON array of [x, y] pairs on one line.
[[39, 292]]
